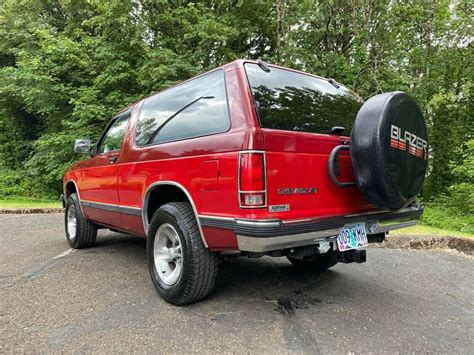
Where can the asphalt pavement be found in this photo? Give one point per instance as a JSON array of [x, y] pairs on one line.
[[56, 300]]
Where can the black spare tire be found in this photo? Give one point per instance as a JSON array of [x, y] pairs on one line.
[[389, 150]]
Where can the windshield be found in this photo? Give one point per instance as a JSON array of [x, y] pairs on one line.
[[293, 101]]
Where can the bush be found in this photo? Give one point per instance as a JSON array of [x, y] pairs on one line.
[[19, 184], [454, 210], [445, 217], [13, 184]]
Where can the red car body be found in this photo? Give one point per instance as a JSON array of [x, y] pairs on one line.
[[121, 189]]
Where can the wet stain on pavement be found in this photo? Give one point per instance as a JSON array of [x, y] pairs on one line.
[[287, 305]]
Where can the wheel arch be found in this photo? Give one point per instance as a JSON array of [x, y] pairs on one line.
[[161, 192], [70, 187]]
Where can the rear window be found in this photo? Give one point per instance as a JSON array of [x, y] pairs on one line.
[[293, 101]]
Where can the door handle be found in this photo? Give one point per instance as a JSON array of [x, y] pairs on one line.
[[113, 160]]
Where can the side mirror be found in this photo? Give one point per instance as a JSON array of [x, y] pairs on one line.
[[82, 146]]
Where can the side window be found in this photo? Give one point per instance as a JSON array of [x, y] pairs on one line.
[[193, 109], [113, 138]]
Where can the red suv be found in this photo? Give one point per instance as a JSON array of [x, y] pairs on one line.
[[249, 159]]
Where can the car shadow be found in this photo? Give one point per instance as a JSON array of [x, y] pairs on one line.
[[266, 279]]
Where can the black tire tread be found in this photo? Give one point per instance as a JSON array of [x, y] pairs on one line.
[[203, 264], [86, 232], [202, 280]]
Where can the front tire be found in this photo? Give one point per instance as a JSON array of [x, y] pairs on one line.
[[317, 262], [182, 269], [80, 233]]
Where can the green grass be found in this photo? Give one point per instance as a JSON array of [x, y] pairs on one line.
[[427, 230], [28, 203]]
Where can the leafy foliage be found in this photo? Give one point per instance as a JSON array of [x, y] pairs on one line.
[[66, 67], [11, 183]]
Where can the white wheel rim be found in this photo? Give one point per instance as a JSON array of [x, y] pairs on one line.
[[71, 222], [167, 254]]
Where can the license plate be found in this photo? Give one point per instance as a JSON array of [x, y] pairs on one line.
[[352, 236]]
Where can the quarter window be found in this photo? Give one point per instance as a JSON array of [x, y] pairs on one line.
[[193, 109], [113, 138]]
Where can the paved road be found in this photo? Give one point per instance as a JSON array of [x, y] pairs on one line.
[[101, 299]]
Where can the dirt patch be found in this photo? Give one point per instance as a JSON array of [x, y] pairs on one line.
[[463, 245], [30, 210]]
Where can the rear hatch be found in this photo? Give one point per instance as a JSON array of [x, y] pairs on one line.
[[303, 118]]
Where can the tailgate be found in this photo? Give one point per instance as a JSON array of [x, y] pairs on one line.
[[298, 184], [302, 118]]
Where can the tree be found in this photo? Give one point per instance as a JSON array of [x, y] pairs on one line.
[[66, 67]]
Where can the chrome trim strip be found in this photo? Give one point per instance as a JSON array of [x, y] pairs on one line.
[[88, 202], [174, 183], [253, 151], [259, 223], [100, 206], [216, 217], [135, 211]]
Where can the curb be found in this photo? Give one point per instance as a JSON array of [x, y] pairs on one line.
[[30, 210], [463, 245]]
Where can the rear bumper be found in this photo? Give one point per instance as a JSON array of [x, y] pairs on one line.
[[272, 234]]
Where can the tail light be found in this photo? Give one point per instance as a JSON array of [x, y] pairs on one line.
[[252, 184]]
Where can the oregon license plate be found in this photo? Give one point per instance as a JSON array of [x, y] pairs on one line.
[[352, 236]]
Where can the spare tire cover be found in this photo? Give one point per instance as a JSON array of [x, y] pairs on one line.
[[389, 150]]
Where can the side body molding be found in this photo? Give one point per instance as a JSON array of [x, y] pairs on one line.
[[181, 187]]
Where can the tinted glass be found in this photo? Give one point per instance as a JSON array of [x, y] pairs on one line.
[[113, 139], [297, 102], [193, 109]]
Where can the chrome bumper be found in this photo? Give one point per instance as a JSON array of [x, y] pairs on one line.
[[268, 235]]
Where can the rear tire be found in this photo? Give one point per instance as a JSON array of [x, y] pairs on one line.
[[318, 262], [80, 233], [182, 269]]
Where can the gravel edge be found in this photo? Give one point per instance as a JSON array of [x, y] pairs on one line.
[[460, 244]]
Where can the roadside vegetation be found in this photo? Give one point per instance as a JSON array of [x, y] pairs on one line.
[[431, 231], [28, 203], [66, 67]]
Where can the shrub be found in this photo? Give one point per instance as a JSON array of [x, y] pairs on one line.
[[13, 184], [17, 183], [454, 210]]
